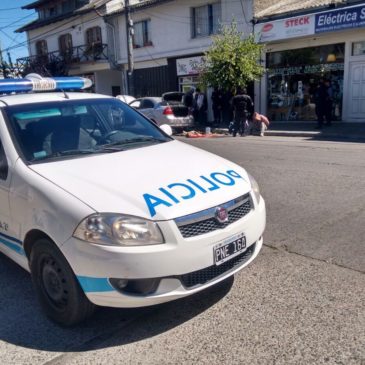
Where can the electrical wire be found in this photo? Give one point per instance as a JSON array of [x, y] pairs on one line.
[[17, 20], [49, 33]]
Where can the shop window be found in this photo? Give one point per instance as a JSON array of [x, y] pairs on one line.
[[65, 44], [205, 20], [293, 77], [142, 35], [358, 48]]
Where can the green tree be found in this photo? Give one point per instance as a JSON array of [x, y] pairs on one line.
[[232, 60]]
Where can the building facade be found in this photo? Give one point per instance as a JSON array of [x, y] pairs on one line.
[[71, 37], [89, 38], [170, 37], [322, 43]]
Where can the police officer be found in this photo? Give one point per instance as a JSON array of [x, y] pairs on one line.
[[243, 109]]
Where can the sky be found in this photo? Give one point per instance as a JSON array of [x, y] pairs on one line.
[[12, 17]]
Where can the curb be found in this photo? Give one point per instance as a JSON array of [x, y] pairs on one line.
[[292, 133]]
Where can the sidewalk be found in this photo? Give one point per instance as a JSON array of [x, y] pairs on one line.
[[338, 131]]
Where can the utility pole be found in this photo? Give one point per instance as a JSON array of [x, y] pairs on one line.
[[130, 32]]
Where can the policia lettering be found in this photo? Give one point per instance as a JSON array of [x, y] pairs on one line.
[[173, 193]]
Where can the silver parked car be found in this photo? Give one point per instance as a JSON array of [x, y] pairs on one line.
[[168, 109]]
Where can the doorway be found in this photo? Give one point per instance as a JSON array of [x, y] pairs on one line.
[[357, 91]]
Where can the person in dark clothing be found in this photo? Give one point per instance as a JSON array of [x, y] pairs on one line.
[[227, 113], [329, 102], [217, 105], [243, 109], [189, 100], [321, 99], [200, 107]]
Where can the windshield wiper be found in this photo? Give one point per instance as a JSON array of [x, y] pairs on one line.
[[64, 153], [117, 146], [142, 139]]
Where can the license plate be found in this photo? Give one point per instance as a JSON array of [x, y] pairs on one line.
[[229, 248]]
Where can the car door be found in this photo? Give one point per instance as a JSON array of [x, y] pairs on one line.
[[9, 243]]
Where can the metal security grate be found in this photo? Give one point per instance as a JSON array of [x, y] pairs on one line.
[[211, 224], [203, 276]]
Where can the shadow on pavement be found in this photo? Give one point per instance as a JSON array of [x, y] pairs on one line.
[[337, 132], [23, 323]]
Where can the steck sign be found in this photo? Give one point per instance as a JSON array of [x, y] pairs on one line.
[[285, 28]]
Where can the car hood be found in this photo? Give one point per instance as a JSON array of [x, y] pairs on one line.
[[158, 182]]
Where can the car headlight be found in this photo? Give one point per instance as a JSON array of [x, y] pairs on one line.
[[255, 188], [114, 229]]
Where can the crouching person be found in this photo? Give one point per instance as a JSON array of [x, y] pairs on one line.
[[259, 124]]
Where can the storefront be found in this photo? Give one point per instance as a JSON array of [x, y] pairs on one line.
[[301, 52]]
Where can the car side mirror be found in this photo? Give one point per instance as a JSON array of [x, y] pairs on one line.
[[167, 129]]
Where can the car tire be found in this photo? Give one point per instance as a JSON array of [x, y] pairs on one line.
[[57, 288]]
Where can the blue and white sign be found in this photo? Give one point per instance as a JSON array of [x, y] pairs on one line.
[[346, 18], [327, 21]]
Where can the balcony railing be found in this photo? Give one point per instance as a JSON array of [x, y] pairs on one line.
[[62, 60]]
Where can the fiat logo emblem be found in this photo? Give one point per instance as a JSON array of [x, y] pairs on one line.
[[221, 215]]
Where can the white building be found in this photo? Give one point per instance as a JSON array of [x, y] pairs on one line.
[[88, 37], [71, 37], [170, 37]]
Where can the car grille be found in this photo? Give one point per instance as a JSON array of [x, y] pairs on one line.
[[211, 224], [203, 276]]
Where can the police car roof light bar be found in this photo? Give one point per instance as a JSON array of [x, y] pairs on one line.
[[35, 82]]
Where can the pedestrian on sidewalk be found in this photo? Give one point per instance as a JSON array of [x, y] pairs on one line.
[[227, 112], [200, 107], [217, 106], [243, 109], [321, 99], [329, 102], [188, 100]]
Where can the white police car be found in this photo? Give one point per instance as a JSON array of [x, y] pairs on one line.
[[104, 208]]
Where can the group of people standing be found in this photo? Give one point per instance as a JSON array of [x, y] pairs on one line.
[[237, 110], [240, 107]]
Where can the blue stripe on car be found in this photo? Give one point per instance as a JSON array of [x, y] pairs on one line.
[[12, 243], [90, 284]]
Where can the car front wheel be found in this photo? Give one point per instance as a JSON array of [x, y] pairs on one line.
[[57, 288]]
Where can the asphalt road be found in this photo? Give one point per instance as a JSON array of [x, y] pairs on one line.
[[301, 302]]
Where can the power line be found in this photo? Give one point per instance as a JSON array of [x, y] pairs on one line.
[[48, 33], [17, 20], [6, 9]]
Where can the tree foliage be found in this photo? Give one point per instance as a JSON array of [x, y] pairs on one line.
[[231, 60]]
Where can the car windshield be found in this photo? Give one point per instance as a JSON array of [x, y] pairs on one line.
[[59, 130]]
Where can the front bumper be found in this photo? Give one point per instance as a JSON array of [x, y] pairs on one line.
[[183, 266]]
